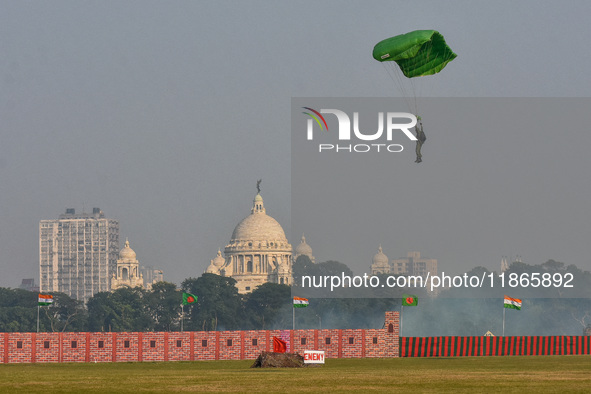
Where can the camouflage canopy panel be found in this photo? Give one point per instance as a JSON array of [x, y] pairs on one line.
[[418, 53]]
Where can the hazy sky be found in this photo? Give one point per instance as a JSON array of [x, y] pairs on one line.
[[164, 115]]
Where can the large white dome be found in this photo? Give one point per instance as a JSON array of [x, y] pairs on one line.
[[258, 226], [258, 251]]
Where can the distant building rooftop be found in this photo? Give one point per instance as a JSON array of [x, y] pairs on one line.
[[29, 284], [71, 214]]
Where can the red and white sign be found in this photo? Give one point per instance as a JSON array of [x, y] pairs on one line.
[[313, 356]]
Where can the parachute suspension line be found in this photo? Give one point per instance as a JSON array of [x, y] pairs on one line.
[[410, 93], [415, 87], [393, 76], [398, 78], [388, 71], [403, 84]]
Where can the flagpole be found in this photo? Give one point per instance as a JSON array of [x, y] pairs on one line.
[[401, 309], [504, 319], [182, 316], [293, 320], [37, 317]]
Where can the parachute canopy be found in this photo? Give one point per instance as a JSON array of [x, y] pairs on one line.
[[418, 53]]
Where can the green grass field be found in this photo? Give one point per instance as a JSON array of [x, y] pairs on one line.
[[470, 374]]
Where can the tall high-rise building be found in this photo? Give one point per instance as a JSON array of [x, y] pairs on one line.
[[78, 253]]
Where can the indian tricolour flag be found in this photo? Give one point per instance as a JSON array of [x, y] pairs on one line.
[[45, 299], [513, 303], [300, 302]]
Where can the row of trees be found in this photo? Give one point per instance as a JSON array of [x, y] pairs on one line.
[[456, 311], [219, 307]]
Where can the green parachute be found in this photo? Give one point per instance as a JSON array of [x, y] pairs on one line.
[[415, 54], [418, 53]]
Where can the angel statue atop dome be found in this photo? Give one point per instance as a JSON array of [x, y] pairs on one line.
[[259, 185]]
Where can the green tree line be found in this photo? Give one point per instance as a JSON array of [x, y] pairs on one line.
[[219, 307]]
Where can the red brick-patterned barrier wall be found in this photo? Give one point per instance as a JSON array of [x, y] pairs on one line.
[[100, 347], [254, 343], [328, 341], [194, 345], [374, 343], [205, 347], [229, 343], [73, 347], [46, 348], [126, 346], [179, 346], [494, 346], [154, 346], [18, 347]]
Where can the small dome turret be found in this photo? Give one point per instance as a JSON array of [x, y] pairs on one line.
[[380, 259], [127, 253]]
